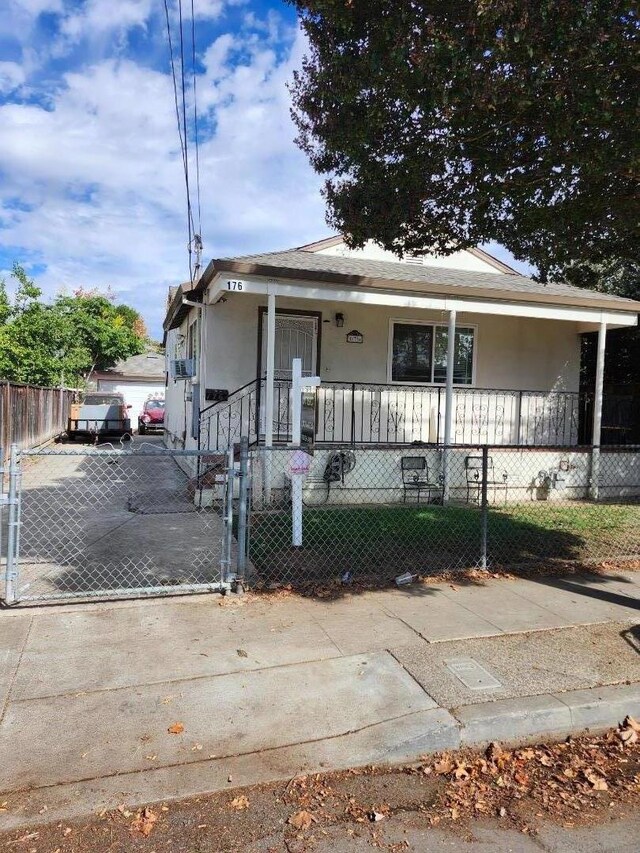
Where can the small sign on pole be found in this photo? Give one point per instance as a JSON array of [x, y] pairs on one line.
[[308, 420]]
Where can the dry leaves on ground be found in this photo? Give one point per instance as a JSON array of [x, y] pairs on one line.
[[176, 729], [628, 731], [562, 778], [302, 820], [239, 803], [144, 822]]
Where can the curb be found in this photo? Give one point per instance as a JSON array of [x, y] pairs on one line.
[[400, 741], [553, 715]]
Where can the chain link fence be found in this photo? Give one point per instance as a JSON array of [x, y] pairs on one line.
[[103, 522], [370, 515]]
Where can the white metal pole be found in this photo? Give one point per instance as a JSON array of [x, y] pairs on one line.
[[268, 427], [271, 355], [296, 392], [448, 404], [597, 411], [296, 436]]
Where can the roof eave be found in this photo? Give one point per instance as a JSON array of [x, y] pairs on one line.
[[251, 268]]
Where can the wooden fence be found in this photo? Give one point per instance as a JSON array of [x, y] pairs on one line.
[[31, 414]]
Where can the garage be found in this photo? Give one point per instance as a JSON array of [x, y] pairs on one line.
[[137, 378]]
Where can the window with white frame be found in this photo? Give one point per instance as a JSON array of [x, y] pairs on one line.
[[419, 353]]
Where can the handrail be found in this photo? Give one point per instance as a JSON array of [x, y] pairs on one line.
[[228, 400]]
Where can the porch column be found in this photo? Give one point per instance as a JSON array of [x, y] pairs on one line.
[[597, 411], [271, 351], [267, 457], [448, 404]]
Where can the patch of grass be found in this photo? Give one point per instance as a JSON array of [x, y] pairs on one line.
[[428, 538]]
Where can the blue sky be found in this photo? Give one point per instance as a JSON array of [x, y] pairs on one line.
[[91, 181]]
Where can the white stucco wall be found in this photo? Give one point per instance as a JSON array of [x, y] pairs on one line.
[[177, 407], [511, 352], [377, 476]]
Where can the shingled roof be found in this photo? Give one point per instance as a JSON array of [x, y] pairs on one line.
[[315, 266]]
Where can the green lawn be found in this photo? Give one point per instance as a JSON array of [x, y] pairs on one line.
[[389, 539]]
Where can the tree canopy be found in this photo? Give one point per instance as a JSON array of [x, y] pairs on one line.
[[66, 340], [445, 125]]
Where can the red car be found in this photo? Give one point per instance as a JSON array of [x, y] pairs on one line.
[[152, 417]]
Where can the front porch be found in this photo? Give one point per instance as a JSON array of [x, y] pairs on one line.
[[396, 368], [366, 414]]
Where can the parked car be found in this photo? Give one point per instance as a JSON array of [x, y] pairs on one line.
[[152, 417], [99, 414]]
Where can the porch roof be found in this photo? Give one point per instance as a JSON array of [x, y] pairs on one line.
[[438, 281]]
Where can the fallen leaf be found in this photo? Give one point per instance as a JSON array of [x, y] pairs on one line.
[[526, 754], [596, 781], [176, 729], [241, 653], [494, 751], [239, 803], [461, 772], [145, 821], [628, 736], [124, 810], [374, 817], [545, 760], [67, 831], [630, 723], [302, 820], [445, 765]]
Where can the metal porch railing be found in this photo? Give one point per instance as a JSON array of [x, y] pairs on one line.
[[360, 413]]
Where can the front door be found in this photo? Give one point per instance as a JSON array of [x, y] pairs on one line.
[[296, 337]]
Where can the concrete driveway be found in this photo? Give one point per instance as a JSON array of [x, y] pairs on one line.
[[95, 522], [266, 688]]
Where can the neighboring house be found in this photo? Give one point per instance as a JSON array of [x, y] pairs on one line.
[[375, 328], [138, 378]]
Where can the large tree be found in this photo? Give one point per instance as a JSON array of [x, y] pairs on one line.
[[65, 340], [441, 125]]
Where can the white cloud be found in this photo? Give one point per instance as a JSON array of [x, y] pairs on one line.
[[99, 176], [100, 16], [11, 77]]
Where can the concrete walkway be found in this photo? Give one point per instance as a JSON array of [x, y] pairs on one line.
[[270, 688]]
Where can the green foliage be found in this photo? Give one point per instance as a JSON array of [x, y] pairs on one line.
[[442, 125], [66, 340]]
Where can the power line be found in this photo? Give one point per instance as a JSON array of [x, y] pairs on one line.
[[181, 119], [195, 115], [186, 141]]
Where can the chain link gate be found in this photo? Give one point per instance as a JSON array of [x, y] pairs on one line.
[[98, 523]]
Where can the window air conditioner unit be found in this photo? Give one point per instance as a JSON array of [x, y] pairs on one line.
[[183, 368]]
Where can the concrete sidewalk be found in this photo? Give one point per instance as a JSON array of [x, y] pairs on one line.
[[268, 689]]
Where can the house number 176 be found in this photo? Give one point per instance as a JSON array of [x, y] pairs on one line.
[[232, 284]]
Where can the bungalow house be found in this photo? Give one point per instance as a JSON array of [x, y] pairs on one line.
[[418, 351]]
